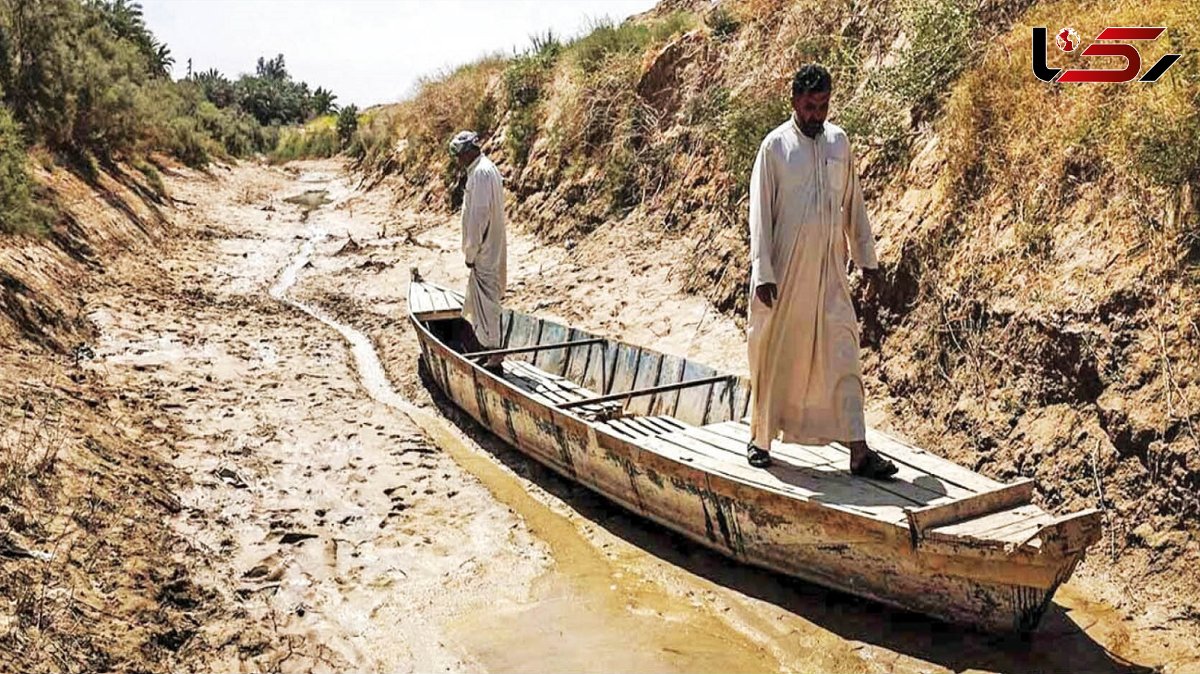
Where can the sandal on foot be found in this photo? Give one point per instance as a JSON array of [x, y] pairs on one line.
[[875, 466], [759, 458]]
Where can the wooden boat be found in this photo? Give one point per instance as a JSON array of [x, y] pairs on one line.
[[665, 438]]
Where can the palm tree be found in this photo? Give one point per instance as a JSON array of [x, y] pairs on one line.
[[323, 101], [162, 61]]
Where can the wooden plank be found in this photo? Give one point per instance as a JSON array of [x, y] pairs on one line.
[[649, 368], [691, 404], [580, 361], [1003, 498], [625, 367], [418, 299], [522, 331], [814, 481], [918, 458], [646, 391], [659, 424], [552, 360], [831, 489], [613, 426], [739, 431], [506, 324], [721, 404], [560, 389], [738, 448], [911, 484], [438, 299], [636, 427], [670, 372], [912, 465], [531, 379], [980, 526]]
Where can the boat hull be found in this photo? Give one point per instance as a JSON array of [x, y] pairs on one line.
[[981, 588]]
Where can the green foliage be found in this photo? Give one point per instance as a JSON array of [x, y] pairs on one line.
[[1168, 152], [371, 146], [706, 112], [272, 96], [217, 88], [127, 23], [153, 177], [722, 22], [323, 102], [18, 213], [347, 124], [522, 129], [749, 118], [524, 80], [606, 39], [941, 35], [483, 121], [318, 139], [88, 78], [546, 44]]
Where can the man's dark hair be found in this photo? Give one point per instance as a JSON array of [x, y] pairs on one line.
[[812, 77]]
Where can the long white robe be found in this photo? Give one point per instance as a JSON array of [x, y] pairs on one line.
[[806, 215], [484, 246]]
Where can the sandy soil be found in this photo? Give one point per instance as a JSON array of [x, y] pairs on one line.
[[347, 519]]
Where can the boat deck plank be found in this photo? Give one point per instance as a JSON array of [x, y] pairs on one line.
[[918, 458], [912, 488], [430, 302], [556, 389]]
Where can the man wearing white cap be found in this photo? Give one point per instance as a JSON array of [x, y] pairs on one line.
[[483, 245]]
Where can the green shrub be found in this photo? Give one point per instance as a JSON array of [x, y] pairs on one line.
[[18, 213], [748, 120], [307, 142], [524, 80], [607, 39], [722, 22], [153, 177], [347, 124], [941, 39]]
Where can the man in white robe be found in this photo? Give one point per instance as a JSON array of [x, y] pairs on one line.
[[806, 215], [483, 246]]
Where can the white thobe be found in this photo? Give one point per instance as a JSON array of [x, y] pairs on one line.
[[483, 245], [806, 214]]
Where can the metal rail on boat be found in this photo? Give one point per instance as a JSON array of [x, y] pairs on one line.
[[650, 390], [534, 348]]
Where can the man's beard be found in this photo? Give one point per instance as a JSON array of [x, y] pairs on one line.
[[811, 129]]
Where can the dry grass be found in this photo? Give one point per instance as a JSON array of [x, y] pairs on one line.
[[1000, 118], [87, 578]]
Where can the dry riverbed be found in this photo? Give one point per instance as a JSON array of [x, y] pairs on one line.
[[343, 517]]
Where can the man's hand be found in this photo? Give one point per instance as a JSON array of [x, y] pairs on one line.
[[766, 293], [872, 282]]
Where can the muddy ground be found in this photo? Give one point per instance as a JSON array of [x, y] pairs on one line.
[[341, 517]]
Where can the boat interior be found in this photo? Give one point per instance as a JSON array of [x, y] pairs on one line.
[[691, 412]]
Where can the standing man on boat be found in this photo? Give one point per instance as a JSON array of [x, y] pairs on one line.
[[483, 246], [806, 215]]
